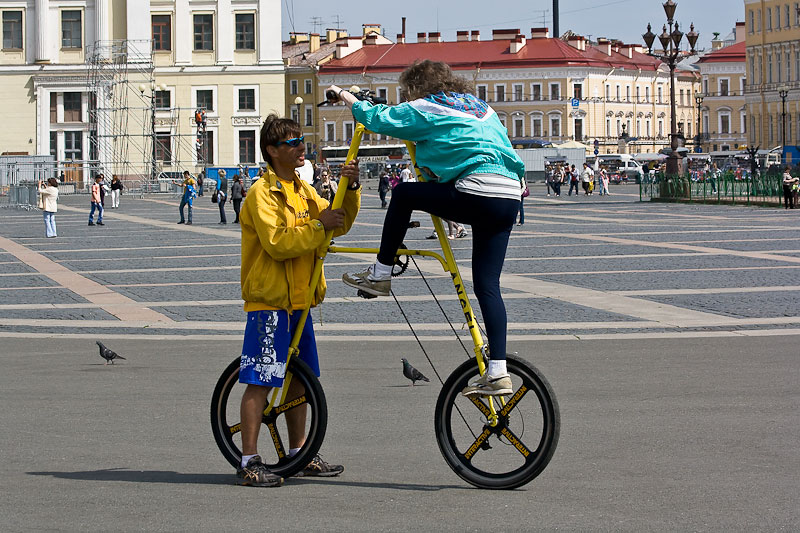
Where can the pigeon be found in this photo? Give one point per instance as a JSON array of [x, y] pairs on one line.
[[108, 355], [412, 373]]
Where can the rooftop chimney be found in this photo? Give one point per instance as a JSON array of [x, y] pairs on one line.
[[313, 43], [604, 45], [330, 35], [462, 36], [348, 46], [296, 37], [341, 34], [434, 37], [401, 39], [517, 44], [627, 50], [404, 29], [371, 39], [739, 32], [422, 37], [540, 33], [504, 34], [577, 42], [366, 29], [476, 35]]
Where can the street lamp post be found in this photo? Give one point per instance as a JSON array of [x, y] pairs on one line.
[[671, 55], [699, 99], [152, 98], [783, 92], [298, 102]]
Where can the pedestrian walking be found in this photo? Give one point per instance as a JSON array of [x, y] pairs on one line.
[[715, 175], [550, 173], [574, 178], [189, 194], [383, 188], [237, 194], [406, 175], [326, 187], [96, 201], [222, 195], [789, 183], [49, 197], [587, 175], [116, 190], [200, 179], [525, 193]]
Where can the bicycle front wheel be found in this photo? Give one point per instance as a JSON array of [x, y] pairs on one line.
[[516, 449], [274, 447]]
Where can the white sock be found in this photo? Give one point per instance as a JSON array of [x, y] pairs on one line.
[[497, 368], [246, 458], [380, 272], [293, 451]]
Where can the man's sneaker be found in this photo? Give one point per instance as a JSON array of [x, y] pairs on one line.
[[320, 468], [100, 224], [462, 233], [362, 281], [432, 235], [256, 474], [91, 223], [489, 386]]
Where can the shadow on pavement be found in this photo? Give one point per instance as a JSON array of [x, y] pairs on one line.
[[167, 476]]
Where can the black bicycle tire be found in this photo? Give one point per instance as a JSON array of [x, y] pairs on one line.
[[548, 442], [318, 414]]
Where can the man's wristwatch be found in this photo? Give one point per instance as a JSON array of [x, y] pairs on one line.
[[354, 186]]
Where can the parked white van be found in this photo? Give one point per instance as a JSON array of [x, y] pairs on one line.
[[621, 167]]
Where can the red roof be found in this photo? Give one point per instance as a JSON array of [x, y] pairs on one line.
[[734, 53], [494, 54]]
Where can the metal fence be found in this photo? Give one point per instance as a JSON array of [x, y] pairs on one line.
[[765, 189]]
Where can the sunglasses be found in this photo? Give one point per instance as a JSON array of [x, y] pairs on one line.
[[294, 143]]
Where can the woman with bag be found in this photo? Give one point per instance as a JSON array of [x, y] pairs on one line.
[[525, 194], [222, 195], [48, 203], [237, 194]]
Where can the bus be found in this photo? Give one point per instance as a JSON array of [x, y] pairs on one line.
[[372, 159]]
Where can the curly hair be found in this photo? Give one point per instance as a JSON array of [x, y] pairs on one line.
[[274, 130], [431, 77]]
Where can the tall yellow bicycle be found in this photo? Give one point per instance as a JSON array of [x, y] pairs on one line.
[[499, 442]]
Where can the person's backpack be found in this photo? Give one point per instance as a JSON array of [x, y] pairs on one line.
[[214, 197]]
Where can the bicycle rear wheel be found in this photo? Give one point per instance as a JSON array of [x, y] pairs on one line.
[[225, 416], [515, 450]]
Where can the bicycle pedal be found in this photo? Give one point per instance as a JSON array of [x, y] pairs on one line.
[[366, 295]]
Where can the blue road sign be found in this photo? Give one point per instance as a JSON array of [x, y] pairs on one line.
[[576, 102], [596, 151]]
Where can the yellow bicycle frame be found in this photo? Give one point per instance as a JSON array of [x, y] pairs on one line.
[[447, 260]]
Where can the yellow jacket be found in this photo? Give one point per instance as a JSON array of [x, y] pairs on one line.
[[274, 245]]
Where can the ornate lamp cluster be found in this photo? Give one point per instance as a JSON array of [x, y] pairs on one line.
[[671, 54]]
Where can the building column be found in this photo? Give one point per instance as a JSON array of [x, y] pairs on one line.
[[225, 32], [269, 31], [42, 33], [101, 20], [139, 31], [183, 27]]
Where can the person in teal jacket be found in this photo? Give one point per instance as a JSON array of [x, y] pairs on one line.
[[472, 176]]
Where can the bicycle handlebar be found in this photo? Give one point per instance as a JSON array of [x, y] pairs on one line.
[[362, 94]]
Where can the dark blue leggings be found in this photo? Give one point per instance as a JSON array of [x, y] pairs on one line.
[[491, 220]]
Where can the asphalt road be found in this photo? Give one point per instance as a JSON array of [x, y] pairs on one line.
[[669, 333]]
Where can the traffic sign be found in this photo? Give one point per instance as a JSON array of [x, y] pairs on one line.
[[596, 151], [576, 102], [596, 143]]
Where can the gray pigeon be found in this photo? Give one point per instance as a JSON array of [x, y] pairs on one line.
[[412, 373], [108, 355]]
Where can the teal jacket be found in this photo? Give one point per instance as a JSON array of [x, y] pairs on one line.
[[456, 134]]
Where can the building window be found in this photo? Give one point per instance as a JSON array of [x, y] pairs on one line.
[[555, 91], [536, 126], [778, 66], [555, 126], [519, 127], [330, 131], [294, 114], [54, 144], [163, 100], [500, 93], [638, 128], [247, 99], [771, 129], [293, 87], [482, 92], [53, 108], [348, 131], [205, 150], [73, 145], [518, 92], [72, 107], [751, 20], [162, 33], [578, 129], [744, 122], [12, 30], [788, 65], [608, 127], [661, 95], [787, 19], [647, 127], [768, 22], [163, 150], [245, 31], [797, 13], [778, 18], [204, 32], [724, 123], [577, 91], [758, 21], [309, 116], [536, 91], [627, 93], [205, 99], [647, 94], [660, 128], [383, 92], [308, 88], [71, 29], [723, 86], [247, 146], [769, 67]]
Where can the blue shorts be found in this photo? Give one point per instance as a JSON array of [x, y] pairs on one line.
[[266, 345]]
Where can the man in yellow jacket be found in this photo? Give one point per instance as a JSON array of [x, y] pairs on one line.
[[283, 222]]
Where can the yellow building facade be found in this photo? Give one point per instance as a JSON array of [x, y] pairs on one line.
[[773, 69]]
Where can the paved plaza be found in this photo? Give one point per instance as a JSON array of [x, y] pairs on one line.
[[670, 334]]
